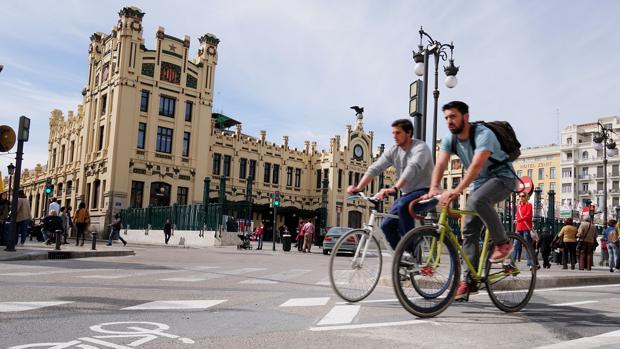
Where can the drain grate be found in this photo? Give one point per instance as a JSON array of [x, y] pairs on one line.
[[58, 255]]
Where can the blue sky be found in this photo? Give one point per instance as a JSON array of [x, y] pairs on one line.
[[295, 67]]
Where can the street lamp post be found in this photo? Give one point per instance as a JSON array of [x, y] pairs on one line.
[[439, 51], [11, 170], [603, 141]]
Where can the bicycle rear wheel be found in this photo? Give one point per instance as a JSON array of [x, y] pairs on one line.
[[425, 272], [511, 284], [355, 265]]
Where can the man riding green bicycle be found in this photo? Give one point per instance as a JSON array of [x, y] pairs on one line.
[[489, 184]]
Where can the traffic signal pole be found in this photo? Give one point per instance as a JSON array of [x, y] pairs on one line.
[[23, 133], [275, 200]]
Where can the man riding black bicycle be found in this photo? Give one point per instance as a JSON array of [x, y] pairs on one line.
[[414, 165], [489, 184]]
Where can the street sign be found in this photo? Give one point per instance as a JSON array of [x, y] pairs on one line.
[[527, 186], [7, 138]]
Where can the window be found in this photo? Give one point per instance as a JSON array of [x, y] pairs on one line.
[[62, 155], [252, 171], [227, 160], [569, 141], [350, 178], [96, 187], [567, 188], [615, 201], [530, 173], [552, 173], [216, 163], [552, 186], [599, 172], [519, 173], [243, 164], [144, 101], [445, 183], [340, 179], [541, 173], [614, 170], [71, 151], [101, 133], [584, 155], [599, 186], [267, 173], [289, 176], [141, 135], [104, 102], [53, 158], [318, 179], [455, 182], [137, 192], [584, 187], [615, 185], [166, 106], [569, 156], [186, 137], [69, 187], [182, 194], [164, 140], [455, 164], [297, 177], [567, 173], [189, 106], [357, 178], [275, 179]]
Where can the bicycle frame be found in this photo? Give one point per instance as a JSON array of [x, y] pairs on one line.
[[370, 227], [446, 231]]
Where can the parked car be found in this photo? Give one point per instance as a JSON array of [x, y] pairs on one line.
[[332, 236]]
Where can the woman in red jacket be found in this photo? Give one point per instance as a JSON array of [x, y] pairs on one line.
[[524, 228]]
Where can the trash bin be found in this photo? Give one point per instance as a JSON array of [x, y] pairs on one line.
[[286, 242]]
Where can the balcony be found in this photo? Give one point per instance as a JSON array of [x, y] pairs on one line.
[[615, 190], [613, 174], [585, 192], [585, 176]]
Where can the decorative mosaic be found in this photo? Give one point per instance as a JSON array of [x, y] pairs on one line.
[[192, 82], [170, 73], [148, 69]]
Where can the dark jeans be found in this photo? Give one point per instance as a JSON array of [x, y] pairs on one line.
[[570, 253], [586, 256], [81, 229], [260, 242], [167, 236], [115, 233], [516, 253], [395, 228], [22, 231]]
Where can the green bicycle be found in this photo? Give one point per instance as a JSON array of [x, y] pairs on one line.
[[430, 256]]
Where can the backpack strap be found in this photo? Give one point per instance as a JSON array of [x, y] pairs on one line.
[[472, 138]]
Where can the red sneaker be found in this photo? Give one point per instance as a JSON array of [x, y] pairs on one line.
[[462, 292], [500, 252]]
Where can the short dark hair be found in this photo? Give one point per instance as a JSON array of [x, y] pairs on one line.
[[568, 221], [462, 107], [405, 125]]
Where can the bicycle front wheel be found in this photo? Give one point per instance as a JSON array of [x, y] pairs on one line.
[[355, 265], [425, 272], [511, 284]]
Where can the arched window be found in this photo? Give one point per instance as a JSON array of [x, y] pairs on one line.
[[355, 219], [160, 194], [584, 155], [569, 140]]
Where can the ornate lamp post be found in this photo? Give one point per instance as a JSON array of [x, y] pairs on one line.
[[603, 141], [11, 170], [439, 51]]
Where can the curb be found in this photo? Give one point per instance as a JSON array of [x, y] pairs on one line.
[[552, 281], [41, 255]]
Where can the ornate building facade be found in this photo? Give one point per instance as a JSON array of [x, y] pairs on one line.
[[146, 136]]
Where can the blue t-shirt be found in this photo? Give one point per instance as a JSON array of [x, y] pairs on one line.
[[485, 141]]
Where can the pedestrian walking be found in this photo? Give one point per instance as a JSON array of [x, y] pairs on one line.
[[82, 220], [65, 223], [544, 244], [115, 230], [22, 216], [613, 244], [259, 233], [606, 256], [308, 236], [568, 236], [586, 237], [300, 236], [523, 228], [5, 207], [167, 231]]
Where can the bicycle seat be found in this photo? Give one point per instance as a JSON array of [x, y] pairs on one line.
[[418, 210]]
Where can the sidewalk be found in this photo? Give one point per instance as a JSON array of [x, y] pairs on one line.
[[38, 250]]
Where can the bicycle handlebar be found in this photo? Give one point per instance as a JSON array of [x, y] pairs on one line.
[[360, 195], [435, 197]]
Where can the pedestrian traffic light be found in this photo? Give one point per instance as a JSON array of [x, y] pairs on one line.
[[49, 187], [276, 199]]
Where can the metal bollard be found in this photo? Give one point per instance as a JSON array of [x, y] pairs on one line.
[[58, 237], [94, 247]]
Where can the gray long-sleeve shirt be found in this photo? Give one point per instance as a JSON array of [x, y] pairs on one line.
[[415, 165]]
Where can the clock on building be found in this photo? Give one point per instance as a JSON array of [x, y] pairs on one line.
[[358, 152]]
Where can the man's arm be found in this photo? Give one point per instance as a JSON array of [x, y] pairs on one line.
[[440, 167], [382, 164], [477, 163]]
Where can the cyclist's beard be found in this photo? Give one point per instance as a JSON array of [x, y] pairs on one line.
[[455, 130]]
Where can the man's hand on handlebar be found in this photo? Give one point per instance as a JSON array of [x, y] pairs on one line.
[[352, 190], [448, 196], [431, 193], [384, 193]]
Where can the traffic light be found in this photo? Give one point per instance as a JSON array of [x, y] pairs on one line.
[[276, 199], [49, 187]]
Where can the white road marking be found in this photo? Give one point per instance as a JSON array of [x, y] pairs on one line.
[[185, 279], [47, 272], [571, 304], [324, 281], [275, 278], [166, 305], [340, 314], [305, 302], [574, 287], [373, 301], [607, 340], [6, 307], [379, 324]]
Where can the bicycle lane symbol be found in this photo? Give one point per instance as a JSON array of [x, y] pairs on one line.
[[141, 332]]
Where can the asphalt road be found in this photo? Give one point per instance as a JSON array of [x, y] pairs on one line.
[[221, 297]]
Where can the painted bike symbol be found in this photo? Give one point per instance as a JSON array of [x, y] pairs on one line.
[[141, 332]]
